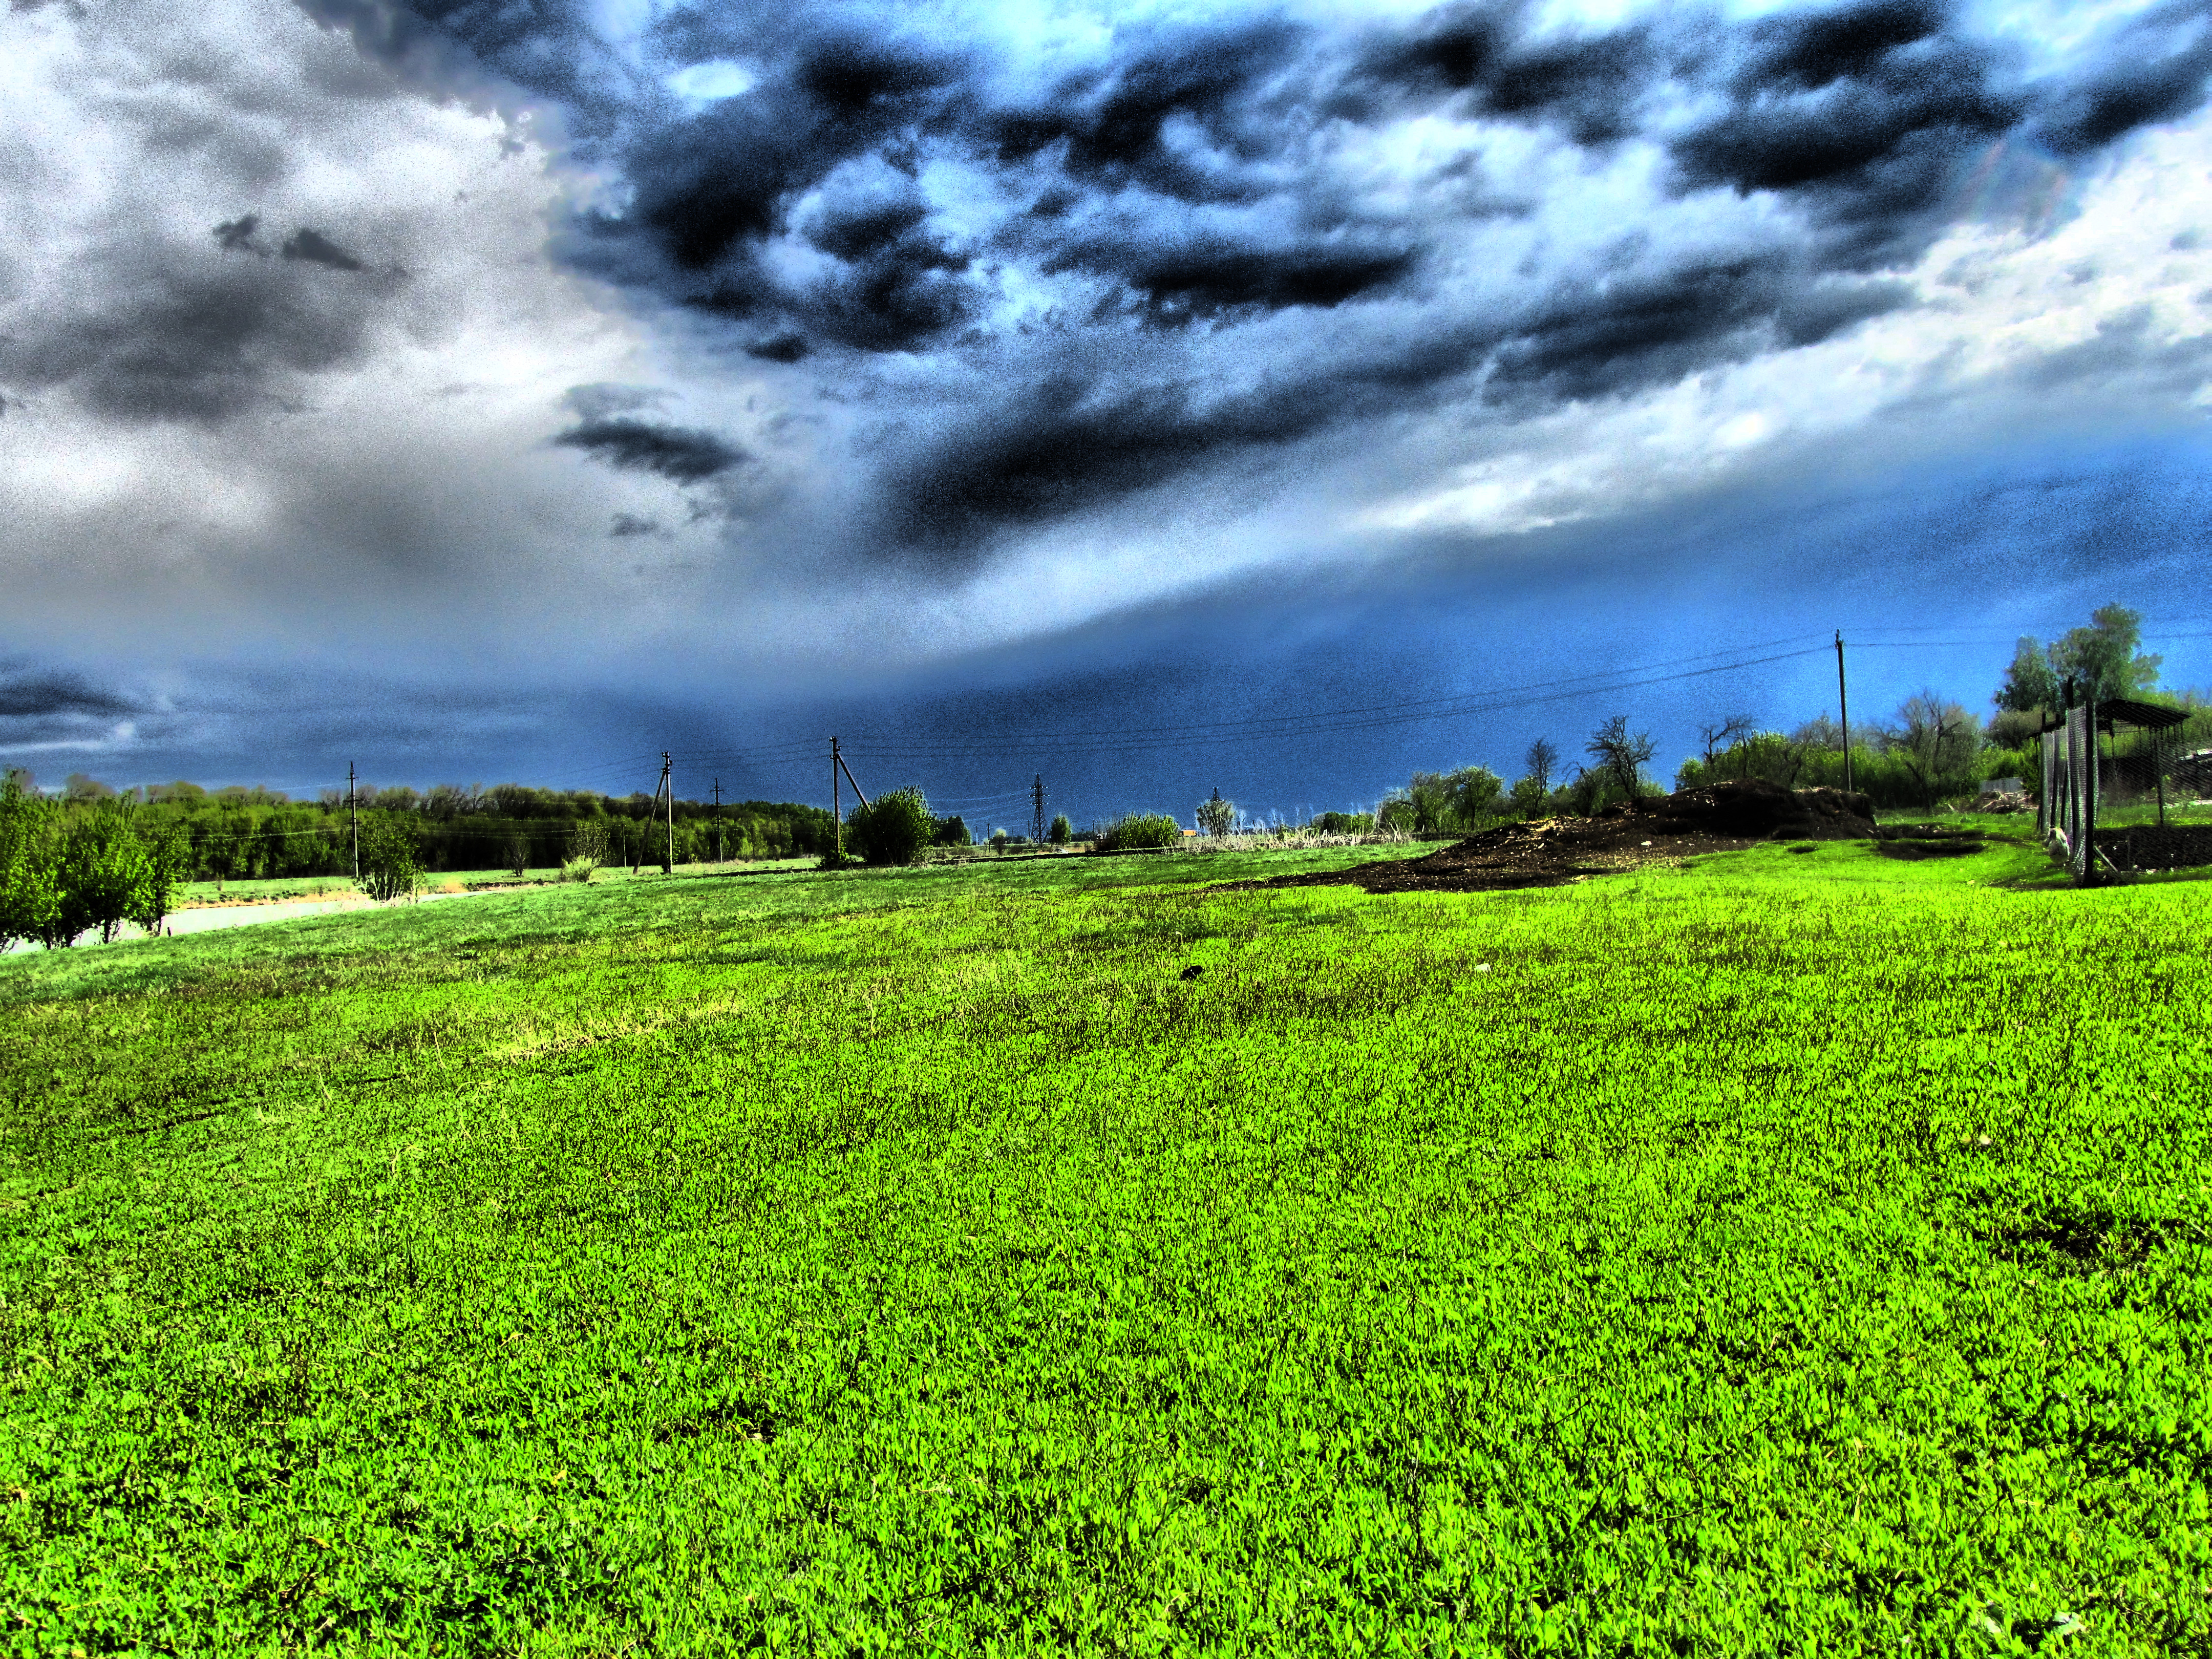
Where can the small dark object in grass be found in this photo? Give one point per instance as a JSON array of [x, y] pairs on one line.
[[1193, 971], [1807, 847]]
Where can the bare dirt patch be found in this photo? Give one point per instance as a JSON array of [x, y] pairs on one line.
[[1723, 818]]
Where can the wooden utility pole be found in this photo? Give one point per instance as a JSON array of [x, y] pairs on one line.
[[718, 820], [836, 801], [2089, 794], [668, 788], [850, 779], [1843, 710], [352, 817]]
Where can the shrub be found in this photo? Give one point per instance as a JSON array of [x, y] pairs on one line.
[[1140, 831], [1062, 833], [951, 832], [577, 869], [892, 827], [516, 853], [390, 858]]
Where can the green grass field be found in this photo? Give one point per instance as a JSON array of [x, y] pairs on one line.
[[1799, 1252]]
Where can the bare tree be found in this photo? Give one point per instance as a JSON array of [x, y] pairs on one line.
[[1541, 760], [1620, 756], [1717, 735], [1936, 738]]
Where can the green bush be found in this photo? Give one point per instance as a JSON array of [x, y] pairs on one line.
[[892, 827], [1140, 831], [951, 832], [1062, 832], [391, 857], [577, 869]]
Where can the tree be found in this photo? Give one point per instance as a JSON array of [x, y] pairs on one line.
[[1717, 735], [2030, 685], [1936, 738], [1819, 732], [391, 857], [1620, 756], [951, 832], [2103, 654], [1541, 760], [29, 896], [1062, 832], [893, 827], [1215, 816]]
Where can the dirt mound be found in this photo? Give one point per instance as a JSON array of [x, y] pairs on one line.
[[1719, 818]]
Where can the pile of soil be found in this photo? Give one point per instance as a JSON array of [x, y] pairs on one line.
[[1719, 818]]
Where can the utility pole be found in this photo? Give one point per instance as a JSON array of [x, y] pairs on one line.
[[352, 817], [668, 787], [1036, 817], [718, 820], [2089, 792], [836, 801], [1843, 710]]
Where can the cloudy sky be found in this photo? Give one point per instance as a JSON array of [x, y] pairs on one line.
[[1165, 396]]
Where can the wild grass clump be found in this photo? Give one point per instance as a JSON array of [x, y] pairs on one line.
[[578, 869]]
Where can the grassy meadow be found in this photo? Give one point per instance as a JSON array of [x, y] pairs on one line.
[[1803, 1251]]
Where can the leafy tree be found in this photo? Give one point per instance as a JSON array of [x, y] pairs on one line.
[[391, 857], [2104, 654], [1620, 756], [892, 827], [78, 786], [30, 898], [953, 832], [2030, 683], [1216, 816], [1062, 832]]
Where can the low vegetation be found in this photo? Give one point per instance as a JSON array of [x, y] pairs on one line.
[[1806, 1250]]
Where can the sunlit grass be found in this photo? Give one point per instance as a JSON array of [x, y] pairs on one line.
[[1801, 1250]]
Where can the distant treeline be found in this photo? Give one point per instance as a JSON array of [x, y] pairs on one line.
[[242, 835]]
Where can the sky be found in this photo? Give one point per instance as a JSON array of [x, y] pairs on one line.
[[1156, 398]]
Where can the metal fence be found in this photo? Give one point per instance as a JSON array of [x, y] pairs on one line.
[[2077, 776]]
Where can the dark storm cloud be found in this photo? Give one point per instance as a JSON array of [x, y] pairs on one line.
[[1111, 126], [2159, 75], [685, 454], [1180, 178], [1590, 86], [29, 692], [173, 334], [236, 235], [315, 248], [1206, 277], [1865, 114]]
